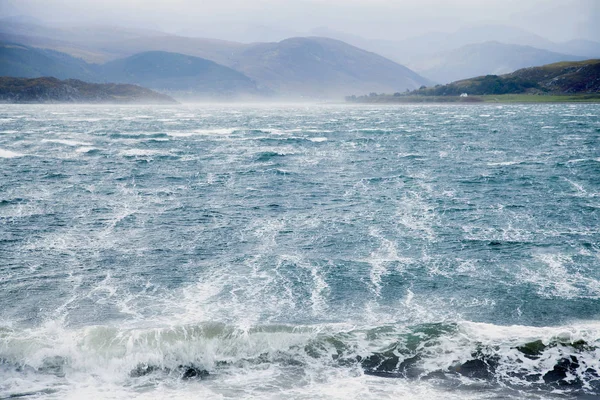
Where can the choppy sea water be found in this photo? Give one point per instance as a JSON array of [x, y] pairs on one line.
[[300, 252]]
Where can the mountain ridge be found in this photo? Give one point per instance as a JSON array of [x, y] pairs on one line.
[[178, 73], [332, 66], [488, 58], [301, 67]]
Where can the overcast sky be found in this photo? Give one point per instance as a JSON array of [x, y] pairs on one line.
[[558, 20]]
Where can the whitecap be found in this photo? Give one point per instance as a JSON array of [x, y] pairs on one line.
[[139, 152], [9, 154], [275, 131], [202, 132], [66, 142], [577, 161], [85, 149], [503, 163]]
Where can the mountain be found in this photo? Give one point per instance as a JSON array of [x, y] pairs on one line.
[[299, 67], [310, 66], [172, 72], [220, 51], [92, 43], [26, 62], [100, 44], [52, 90], [581, 47], [167, 72], [420, 49], [417, 49], [240, 31], [322, 67], [582, 77], [490, 58], [88, 35], [389, 48]]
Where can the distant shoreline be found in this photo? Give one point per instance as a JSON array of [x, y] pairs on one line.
[[471, 100], [50, 90]]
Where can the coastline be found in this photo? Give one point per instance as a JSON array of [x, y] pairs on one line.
[[485, 99]]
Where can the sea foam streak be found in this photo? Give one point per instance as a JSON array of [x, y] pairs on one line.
[[9, 154]]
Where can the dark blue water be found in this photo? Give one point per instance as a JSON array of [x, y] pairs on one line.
[[300, 252]]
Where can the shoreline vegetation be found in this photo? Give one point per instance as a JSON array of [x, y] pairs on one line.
[[501, 99], [49, 90], [564, 82]]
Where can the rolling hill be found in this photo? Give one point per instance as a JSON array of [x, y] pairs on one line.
[[298, 68], [321, 67], [220, 51], [287, 66], [172, 72], [582, 77], [438, 50], [168, 72]]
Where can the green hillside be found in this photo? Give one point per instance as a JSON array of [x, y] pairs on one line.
[[52, 90], [581, 77], [559, 82]]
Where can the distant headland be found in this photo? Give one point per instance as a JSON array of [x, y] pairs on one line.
[[52, 90], [558, 82]]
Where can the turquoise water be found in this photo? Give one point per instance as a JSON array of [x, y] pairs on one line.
[[300, 252]]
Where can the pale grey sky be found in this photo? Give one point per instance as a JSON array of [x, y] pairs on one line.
[[557, 20]]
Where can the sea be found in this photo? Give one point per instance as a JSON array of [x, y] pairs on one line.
[[300, 251]]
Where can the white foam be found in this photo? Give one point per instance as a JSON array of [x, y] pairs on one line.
[[503, 163], [140, 152], [416, 214], [67, 142], [318, 139], [380, 260], [202, 132], [9, 154], [98, 359], [559, 278], [579, 187], [85, 149]]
